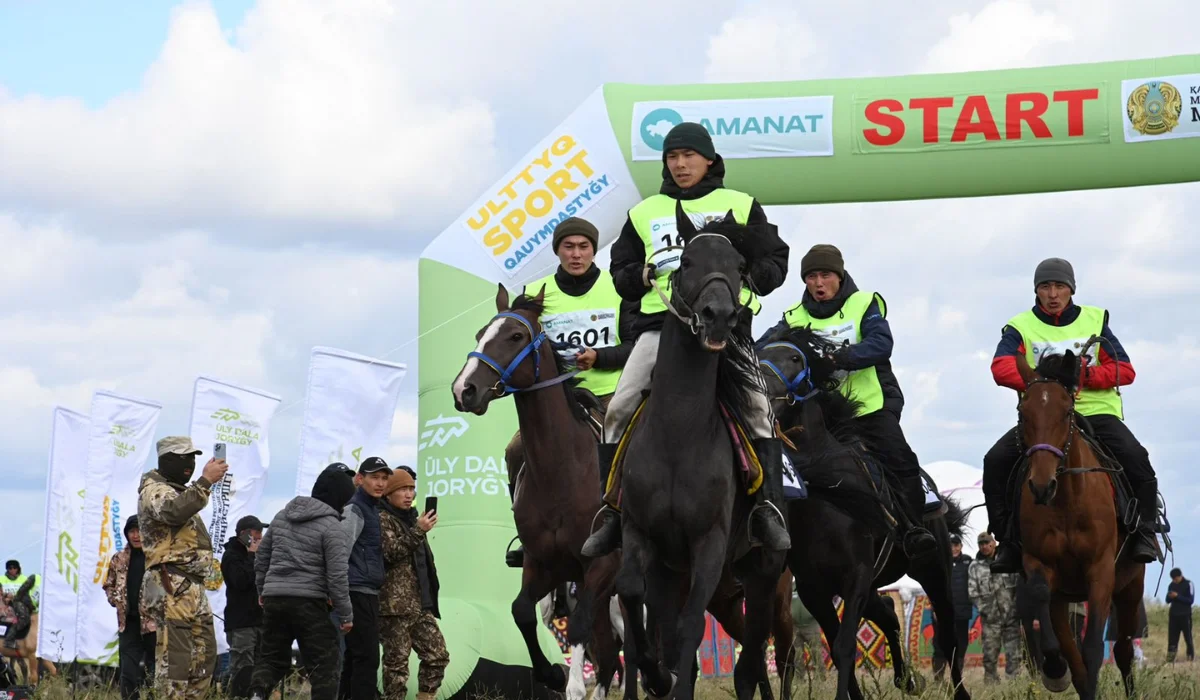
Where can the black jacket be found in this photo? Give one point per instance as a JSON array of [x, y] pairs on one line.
[[958, 587], [767, 269], [606, 358], [1181, 604], [241, 594]]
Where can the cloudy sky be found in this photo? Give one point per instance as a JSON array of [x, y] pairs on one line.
[[217, 187]]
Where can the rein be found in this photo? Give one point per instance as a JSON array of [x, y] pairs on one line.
[[794, 384], [502, 387]]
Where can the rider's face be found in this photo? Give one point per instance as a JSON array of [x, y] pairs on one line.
[[1053, 296], [576, 254], [687, 166], [822, 284]]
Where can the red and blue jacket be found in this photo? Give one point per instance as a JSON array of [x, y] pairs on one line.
[[1103, 376]]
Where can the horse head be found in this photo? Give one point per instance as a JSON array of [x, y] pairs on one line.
[[507, 355], [796, 364], [706, 288], [1046, 419]]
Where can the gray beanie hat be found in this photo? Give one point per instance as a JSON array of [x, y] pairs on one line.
[[1054, 270]]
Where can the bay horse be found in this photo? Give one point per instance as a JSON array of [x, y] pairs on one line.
[[684, 512], [1069, 530], [857, 553], [557, 497]]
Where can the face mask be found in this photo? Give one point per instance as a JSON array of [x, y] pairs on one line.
[[177, 469]]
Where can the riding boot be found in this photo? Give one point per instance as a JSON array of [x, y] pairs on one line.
[[1143, 543], [1008, 547], [608, 536], [918, 541], [514, 558], [766, 520]]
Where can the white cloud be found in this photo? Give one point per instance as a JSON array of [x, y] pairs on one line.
[[1004, 34], [770, 42]]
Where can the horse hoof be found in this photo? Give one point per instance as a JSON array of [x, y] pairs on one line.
[[669, 692], [1057, 685], [915, 685], [556, 679]]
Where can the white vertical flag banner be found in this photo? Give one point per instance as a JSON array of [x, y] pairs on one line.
[[120, 440], [239, 417], [349, 405], [61, 571]]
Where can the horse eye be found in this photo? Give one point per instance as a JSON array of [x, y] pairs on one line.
[[517, 337], [795, 358]]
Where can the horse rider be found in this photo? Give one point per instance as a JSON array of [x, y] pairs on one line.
[[836, 309], [587, 322], [693, 177], [1056, 323]]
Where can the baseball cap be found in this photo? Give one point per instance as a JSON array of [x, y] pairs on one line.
[[250, 523], [955, 539], [373, 464], [177, 445], [985, 538]]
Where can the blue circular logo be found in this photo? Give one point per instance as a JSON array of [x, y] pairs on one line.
[[656, 124]]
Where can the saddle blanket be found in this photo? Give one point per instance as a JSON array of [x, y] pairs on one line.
[[793, 486]]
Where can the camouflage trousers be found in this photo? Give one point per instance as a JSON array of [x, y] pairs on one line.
[[1001, 630], [186, 652], [402, 635]]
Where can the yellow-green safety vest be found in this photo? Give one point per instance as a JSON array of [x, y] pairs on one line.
[[846, 325], [1040, 338], [588, 321], [654, 220]]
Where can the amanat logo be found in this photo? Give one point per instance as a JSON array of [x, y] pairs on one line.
[[1024, 116]]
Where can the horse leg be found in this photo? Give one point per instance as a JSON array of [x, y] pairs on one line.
[[750, 671], [935, 579], [1127, 600], [1100, 590], [1054, 666], [707, 557], [1061, 624], [856, 584], [631, 587], [784, 630], [879, 609], [536, 583]]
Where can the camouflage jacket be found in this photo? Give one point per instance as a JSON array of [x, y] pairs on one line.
[[401, 592], [994, 594], [117, 590], [172, 530]]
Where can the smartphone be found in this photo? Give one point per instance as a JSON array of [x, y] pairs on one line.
[[431, 504], [219, 451]]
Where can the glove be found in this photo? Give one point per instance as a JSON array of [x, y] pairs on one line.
[[841, 357]]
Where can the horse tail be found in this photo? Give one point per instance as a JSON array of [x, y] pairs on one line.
[[956, 517]]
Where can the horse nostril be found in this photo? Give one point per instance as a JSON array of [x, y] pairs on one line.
[[707, 314], [468, 393]]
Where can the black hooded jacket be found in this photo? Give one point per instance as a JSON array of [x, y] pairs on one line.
[[875, 350], [767, 270], [241, 593]]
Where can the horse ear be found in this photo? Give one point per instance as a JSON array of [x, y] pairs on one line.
[[541, 295], [730, 218], [1023, 367], [501, 297], [683, 223]]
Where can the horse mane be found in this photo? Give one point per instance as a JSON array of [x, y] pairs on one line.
[[1062, 368], [738, 375], [581, 400], [956, 517]]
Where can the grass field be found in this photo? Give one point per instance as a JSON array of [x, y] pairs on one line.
[[1155, 680]]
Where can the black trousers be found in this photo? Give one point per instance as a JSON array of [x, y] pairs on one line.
[[962, 637], [135, 652], [360, 666], [305, 621], [1110, 431], [1177, 625], [885, 441]]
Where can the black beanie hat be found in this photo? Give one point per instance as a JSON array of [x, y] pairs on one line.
[[823, 256], [130, 523], [334, 486], [576, 226], [689, 135]]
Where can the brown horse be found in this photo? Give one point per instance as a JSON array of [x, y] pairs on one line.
[[557, 496], [27, 650], [1069, 531]]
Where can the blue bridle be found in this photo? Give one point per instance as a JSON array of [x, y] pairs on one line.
[[794, 384], [502, 387]]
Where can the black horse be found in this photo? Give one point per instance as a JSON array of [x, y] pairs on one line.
[[857, 552], [685, 511]]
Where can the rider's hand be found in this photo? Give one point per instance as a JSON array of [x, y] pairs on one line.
[[427, 521], [841, 357], [649, 272], [215, 470], [586, 359]]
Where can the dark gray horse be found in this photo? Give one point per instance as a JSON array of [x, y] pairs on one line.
[[684, 508]]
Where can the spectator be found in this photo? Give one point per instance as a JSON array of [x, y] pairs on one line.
[[964, 610], [807, 636], [360, 665], [409, 599], [300, 571], [995, 596], [243, 614], [1143, 629], [135, 627], [1181, 594], [179, 555], [12, 580]]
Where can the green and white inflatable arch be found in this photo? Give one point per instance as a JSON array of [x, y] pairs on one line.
[[1071, 127]]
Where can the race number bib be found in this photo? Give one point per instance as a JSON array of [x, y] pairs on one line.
[[665, 233], [840, 335], [1042, 348], [665, 261], [589, 328]]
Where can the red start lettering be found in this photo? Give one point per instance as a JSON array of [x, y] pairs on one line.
[[1024, 112]]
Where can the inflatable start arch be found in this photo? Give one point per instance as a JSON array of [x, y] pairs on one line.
[[915, 137]]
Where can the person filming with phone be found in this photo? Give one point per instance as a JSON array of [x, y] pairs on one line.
[[243, 614], [179, 557], [409, 598]]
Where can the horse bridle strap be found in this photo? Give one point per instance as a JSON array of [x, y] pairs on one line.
[[502, 386], [792, 385], [1063, 454], [692, 320]]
